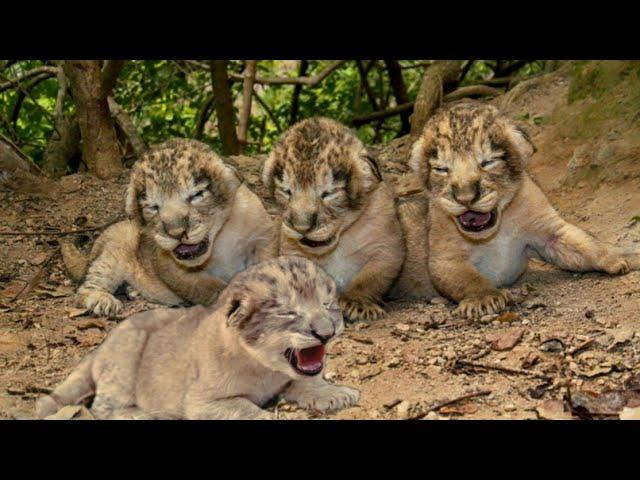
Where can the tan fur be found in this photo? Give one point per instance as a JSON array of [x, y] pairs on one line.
[[221, 362], [331, 193], [180, 192], [470, 157]]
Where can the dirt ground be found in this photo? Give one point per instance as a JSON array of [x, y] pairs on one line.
[[569, 348]]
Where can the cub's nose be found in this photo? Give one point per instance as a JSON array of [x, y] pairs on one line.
[[323, 336], [176, 230], [302, 223], [467, 194]]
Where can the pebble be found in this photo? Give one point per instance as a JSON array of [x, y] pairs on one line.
[[510, 407], [403, 409], [393, 362], [439, 301]]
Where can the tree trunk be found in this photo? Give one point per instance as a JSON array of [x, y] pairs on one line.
[[247, 97], [224, 107], [431, 91], [99, 141], [297, 89], [399, 91]]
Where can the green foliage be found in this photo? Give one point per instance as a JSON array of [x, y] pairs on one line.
[[166, 97]]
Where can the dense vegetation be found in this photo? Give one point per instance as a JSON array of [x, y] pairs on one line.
[[165, 98]]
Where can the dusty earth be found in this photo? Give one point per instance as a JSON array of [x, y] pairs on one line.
[[569, 348]]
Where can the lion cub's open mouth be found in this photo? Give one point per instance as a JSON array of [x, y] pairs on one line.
[[307, 361], [185, 251], [314, 244], [477, 221]]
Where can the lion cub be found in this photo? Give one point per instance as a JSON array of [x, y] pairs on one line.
[[267, 334], [337, 211], [487, 217], [192, 225]]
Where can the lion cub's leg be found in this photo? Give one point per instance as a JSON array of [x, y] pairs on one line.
[[115, 373], [237, 408], [571, 248], [363, 296], [315, 393], [457, 278]]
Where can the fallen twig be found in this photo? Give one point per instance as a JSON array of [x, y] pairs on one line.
[[61, 232], [444, 403], [36, 279], [515, 371], [582, 346]]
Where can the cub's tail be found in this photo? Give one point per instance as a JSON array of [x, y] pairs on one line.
[[76, 388], [76, 262]]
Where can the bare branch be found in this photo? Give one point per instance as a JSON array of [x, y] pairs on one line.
[[247, 91], [472, 91], [203, 117], [125, 123], [110, 71], [308, 81], [269, 112], [15, 82], [382, 114]]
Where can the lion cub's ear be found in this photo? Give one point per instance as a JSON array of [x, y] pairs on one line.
[[268, 171], [238, 310], [373, 164], [132, 199], [520, 140]]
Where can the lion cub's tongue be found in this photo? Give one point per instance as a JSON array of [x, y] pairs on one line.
[[475, 219], [310, 358]]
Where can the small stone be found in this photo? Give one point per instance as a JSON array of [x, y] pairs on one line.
[[589, 314], [402, 327], [331, 376], [439, 301], [403, 409], [393, 362], [360, 326], [509, 407]]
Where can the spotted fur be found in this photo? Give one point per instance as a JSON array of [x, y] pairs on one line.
[[472, 159], [337, 211], [180, 193]]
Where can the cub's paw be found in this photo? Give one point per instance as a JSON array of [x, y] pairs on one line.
[[326, 397], [487, 304], [616, 266], [101, 303], [360, 309]]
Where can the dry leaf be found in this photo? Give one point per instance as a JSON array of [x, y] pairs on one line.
[[92, 323], [588, 404], [553, 410], [505, 340], [39, 258], [13, 288], [77, 312], [466, 408], [508, 317], [10, 342]]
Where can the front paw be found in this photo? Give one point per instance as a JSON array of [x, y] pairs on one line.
[[101, 303], [360, 309], [484, 304], [327, 398], [616, 266]]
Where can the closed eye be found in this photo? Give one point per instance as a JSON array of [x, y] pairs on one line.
[[286, 192], [440, 170], [198, 196], [490, 162], [153, 208], [330, 193]]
